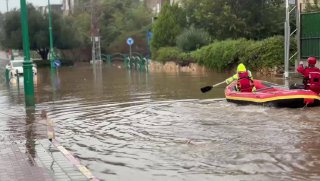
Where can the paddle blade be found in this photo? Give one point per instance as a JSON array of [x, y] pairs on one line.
[[206, 89]]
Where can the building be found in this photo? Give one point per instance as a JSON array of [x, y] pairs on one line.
[[54, 8], [304, 4], [156, 5], [67, 6], [70, 6]]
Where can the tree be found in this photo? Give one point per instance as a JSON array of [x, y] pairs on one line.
[[252, 19], [168, 26], [121, 19], [1, 19], [192, 39], [64, 32], [313, 6], [1, 26]]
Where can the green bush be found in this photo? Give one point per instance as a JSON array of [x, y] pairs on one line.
[[224, 55], [192, 39], [168, 54], [265, 53], [173, 54], [221, 55], [268, 53]]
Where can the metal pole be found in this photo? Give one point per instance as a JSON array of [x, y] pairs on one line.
[[27, 65], [287, 41], [93, 34], [298, 34], [51, 57], [7, 6]]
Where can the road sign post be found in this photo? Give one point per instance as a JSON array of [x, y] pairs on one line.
[[130, 42]]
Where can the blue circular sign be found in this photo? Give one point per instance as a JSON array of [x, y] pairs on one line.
[[57, 63], [130, 41]]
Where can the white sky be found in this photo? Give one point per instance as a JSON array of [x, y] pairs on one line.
[[16, 4]]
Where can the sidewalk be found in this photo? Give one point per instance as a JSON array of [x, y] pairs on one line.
[[30, 156], [43, 162]]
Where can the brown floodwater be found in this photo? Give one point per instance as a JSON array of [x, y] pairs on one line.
[[131, 125]]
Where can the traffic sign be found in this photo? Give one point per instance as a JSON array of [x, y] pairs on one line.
[[57, 63], [130, 41]]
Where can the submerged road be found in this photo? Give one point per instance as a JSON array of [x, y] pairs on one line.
[[129, 125]]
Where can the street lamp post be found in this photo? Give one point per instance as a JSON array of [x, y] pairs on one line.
[[27, 65], [51, 53]]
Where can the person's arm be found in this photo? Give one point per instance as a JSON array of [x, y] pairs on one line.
[[250, 75], [232, 78], [300, 68]]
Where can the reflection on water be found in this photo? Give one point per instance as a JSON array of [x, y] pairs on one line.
[[130, 125], [30, 132]]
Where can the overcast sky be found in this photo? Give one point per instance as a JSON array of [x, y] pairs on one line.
[[16, 4]]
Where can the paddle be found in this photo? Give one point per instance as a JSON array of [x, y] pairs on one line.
[[208, 88]]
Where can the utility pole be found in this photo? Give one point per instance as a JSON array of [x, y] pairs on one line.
[[298, 9], [92, 34], [7, 6], [287, 34], [51, 53], [95, 37], [286, 41], [27, 65]]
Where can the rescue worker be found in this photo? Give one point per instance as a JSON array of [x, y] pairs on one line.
[[311, 75], [244, 79]]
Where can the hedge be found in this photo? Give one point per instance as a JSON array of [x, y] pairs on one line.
[[223, 55]]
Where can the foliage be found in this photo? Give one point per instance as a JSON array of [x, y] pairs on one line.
[[168, 26], [313, 6], [82, 22], [1, 26], [120, 19], [266, 53], [224, 55], [64, 32], [225, 19], [221, 55], [192, 39], [168, 54], [165, 54]]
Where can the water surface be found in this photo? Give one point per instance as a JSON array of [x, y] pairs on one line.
[[131, 125]]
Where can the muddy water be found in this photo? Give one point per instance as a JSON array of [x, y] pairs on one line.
[[129, 125]]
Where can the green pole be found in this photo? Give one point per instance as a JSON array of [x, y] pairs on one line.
[[51, 37], [27, 65]]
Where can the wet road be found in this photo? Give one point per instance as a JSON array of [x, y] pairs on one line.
[[129, 125]]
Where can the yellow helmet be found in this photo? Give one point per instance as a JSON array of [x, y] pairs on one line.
[[241, 68]]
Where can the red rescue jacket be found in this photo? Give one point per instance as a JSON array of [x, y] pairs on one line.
[[314, 81], [307, 77], [244, 84]]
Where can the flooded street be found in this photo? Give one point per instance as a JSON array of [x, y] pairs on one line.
[[131, 125]]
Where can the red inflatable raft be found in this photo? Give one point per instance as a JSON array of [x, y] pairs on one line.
[[272, 94]]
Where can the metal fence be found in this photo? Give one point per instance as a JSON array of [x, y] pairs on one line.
[[310, 34]]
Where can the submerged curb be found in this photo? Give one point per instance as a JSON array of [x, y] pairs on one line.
[[75, 162]]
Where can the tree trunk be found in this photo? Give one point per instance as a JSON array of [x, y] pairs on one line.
[[43, 52]]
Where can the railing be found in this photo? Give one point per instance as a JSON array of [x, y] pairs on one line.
[[136, 61]]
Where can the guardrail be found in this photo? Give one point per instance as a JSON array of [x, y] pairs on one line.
[[137, 61]]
